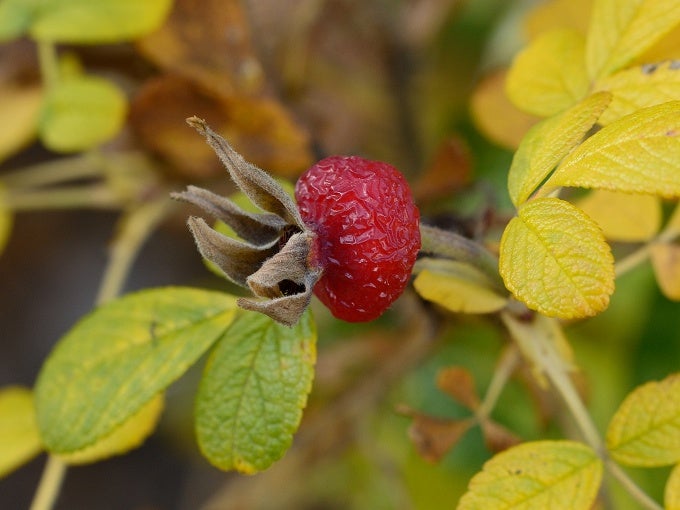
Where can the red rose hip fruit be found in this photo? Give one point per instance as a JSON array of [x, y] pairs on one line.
[[368, 237]]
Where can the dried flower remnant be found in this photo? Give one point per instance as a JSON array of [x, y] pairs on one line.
[[274, 259]]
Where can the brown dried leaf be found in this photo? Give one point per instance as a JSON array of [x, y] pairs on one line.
[[434, 437], [497, 437], [449, 171], [459, 383], [259, 128]]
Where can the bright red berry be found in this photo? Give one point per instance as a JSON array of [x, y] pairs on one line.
[[367, 233]]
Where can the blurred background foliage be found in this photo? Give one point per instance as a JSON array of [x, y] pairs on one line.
[[414, 82]]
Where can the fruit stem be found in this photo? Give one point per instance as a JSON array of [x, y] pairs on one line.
[[457, 247]]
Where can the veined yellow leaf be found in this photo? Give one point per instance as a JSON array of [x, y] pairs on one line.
[[639, 87], [645, 430], [456, 286], [639, 153], [19, 438], [554, 258], [667, 48], [548, 142], [623, 217], [620, 30], [128, 436], [554, 475], [550, 74], [666, 263], [672, 492]]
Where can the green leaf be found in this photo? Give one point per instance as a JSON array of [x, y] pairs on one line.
[[81, 113], [550, 74], [645, 431], [119, 357], [554, 258], [100, 21], [457, 286], [15, 18], [544, 146], [539, 475], [621, 30], [639, 153], [639, 87], [253, 391], [19, 439]]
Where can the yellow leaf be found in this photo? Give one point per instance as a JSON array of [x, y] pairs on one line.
[[639, 153], [672, 492], [19, 438], [495, 116], [639, 87], [6, 219], [666, 263], [668, 48], [645, 430], [554, 258], [620, 30], [128, 436], [573, 14], [623, 216], [541, 475], [549, 75], [456, 286], [548, 142], [19, 112]]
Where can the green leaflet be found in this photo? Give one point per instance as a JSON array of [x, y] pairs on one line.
[[19, 439], [119, 357], [253, 391]]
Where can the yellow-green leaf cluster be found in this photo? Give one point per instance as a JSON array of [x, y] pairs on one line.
[[539, 475]]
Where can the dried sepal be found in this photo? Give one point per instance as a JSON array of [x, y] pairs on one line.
[[278, 260], [257, 229], [236, 259], [259, 186]]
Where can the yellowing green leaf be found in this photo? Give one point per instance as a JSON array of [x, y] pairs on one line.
[[541, 475], [81, 113], [128, 436], [666, 263], [549, 75], [119, 357], [456, 286], [102, 21], [19, 439], [623, 216], [256, 382], [620, 30], [672, 492], [554, 258], [19, 114], [548, 142], [645, 431], [639, 153], [639, 87], [15, 18]]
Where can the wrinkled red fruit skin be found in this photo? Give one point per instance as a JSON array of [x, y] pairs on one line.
[[367, 233]]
